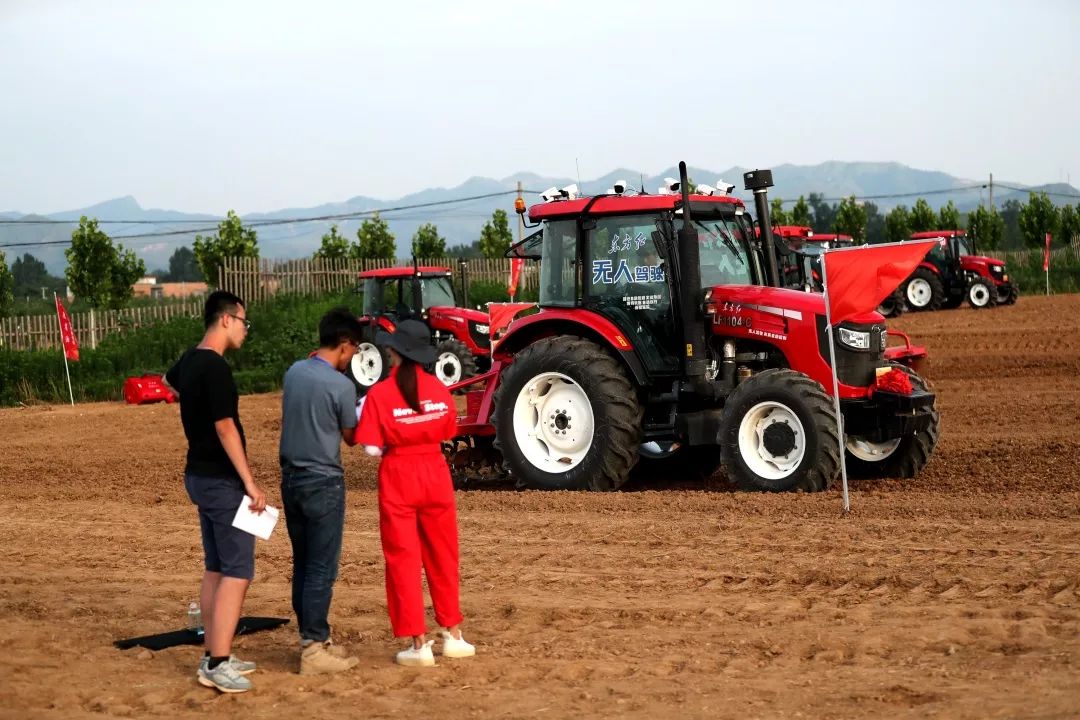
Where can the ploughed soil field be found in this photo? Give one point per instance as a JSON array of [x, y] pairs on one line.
[[952, 595]]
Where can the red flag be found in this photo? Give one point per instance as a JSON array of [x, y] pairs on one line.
[[1046, 255], [515, 274], [67, 335], [860, 278]]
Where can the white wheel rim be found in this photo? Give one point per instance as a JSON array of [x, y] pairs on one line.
[[919, 292], [448, 368], [979, 295], [553, 422], [752, 447], [870, 451], [366, 364]]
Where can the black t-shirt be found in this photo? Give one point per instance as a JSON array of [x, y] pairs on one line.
[[207, 394]]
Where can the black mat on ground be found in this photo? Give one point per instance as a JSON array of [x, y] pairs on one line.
[[190, 637]]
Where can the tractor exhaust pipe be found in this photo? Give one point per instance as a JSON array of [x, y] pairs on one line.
[[759, 182], [690, 291]]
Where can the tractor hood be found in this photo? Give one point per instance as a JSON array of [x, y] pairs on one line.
[[971, 262], [458, 312], [796, 304]]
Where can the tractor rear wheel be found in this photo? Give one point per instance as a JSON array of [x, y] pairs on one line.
[[453, 362], [924, 290], [900, 458], [567, 417], [779, 434], [981, 294]]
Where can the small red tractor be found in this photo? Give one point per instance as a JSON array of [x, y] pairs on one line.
[[424, 293], [665, 341], [952, 273]]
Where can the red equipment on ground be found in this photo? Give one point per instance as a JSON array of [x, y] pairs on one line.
[[147, 389], [953, 273]]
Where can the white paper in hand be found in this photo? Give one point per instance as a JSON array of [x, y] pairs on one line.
[[259, 525]]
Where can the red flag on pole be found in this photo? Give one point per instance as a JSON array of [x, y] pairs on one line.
[[515, 274], [67, 335], [1046, 254], [858, 279]]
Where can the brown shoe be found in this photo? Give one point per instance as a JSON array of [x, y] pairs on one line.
[[323, 658]]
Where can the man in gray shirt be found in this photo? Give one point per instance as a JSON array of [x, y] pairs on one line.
[[318, 412]]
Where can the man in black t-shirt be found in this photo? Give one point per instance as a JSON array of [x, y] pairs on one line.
[[217, 477]]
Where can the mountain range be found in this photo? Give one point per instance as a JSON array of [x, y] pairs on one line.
[[887, 184]]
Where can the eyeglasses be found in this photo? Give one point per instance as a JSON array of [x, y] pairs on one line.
[[245, 321]]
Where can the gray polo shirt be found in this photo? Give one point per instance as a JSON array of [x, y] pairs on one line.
[[318, 403]]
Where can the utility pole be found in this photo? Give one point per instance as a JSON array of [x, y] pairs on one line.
[[991, 191]]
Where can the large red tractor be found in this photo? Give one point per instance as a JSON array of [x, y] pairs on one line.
[[952, 273], [663, 339], [424, 293]]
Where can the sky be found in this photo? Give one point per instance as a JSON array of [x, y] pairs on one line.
[[203, 106]]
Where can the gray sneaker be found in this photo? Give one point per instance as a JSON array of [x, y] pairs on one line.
[[244, 667], [224, 677]]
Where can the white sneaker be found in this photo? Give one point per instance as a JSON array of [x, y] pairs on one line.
[[456, 647], [417, 657]]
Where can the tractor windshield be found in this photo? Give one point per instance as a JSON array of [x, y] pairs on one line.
[[725, 258], [437, 292], [964, 245]]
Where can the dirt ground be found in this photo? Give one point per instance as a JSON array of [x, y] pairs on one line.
[[952, 595]]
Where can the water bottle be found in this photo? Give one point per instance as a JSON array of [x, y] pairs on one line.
[[194, 618]]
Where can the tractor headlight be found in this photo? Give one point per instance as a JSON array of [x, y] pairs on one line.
[[482, 329], [855, 339]]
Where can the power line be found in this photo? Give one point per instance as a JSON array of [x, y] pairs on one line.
[[889, 196]]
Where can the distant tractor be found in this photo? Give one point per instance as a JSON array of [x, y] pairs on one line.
[[663, 339], [953, 273], [424, 293]]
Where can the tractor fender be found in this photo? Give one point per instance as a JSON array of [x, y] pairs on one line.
[[930, 266], [580, 323]]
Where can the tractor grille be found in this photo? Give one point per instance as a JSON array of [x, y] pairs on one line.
[[854, 367]]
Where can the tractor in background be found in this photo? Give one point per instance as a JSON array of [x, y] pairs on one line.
[[953, 273], [664, 339], [424, 293]]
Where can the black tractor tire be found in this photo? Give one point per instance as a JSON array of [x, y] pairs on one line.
[[892, 306], [1008, 297], [617, 415], [369, 365], [454, 362], [689, 463], [799, 395], [909, 457], [936, 289], [981, 294]]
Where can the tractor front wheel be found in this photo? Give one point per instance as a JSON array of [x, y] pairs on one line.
[[567, 417], [892, 306], [369, 365], [453, 362], [981, 294], [779, 434]]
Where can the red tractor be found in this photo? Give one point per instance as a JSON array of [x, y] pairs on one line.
[[952, 272], [424, 293], [664, 340]]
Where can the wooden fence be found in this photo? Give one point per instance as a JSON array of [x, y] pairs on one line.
[[1020, 257], [30, 332], [256, 279]]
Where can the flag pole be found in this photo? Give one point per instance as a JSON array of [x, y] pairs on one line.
[[835, 383], [63, 351]]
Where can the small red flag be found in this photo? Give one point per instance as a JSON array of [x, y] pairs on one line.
[[860, 278], [515, 274], [1046, 254], [67, 334]]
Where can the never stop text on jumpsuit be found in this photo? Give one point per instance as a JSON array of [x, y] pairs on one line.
[[417, 513]]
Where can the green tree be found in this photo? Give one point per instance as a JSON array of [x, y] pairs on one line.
[[7, 287], [335, 246], [98, 271], [777, 214], [495, 236], [824, 213], [1037, 217], [470, 251], [987, 228], [374, 241], [231, 241], [923, 217], [875, 223], [1010, 214], [183, 267], [851, 219], [30, 276], [800, 213], [948, 217], [1069, 223], [898, 224], [427, 243]]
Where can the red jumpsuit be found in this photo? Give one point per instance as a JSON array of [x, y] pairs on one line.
[[417, 515]]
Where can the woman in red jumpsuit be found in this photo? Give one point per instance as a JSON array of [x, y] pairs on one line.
[[405, 419]]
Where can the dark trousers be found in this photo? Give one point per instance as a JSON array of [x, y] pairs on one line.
[[315, 516]]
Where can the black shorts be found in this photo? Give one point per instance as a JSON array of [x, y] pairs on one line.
[[227, 550]]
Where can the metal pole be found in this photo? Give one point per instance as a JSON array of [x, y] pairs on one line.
[[835, 383], [991, 191]]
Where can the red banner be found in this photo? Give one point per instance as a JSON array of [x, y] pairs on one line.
[[1046, 255], [515, 274], [860, 278], [67, 334]]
